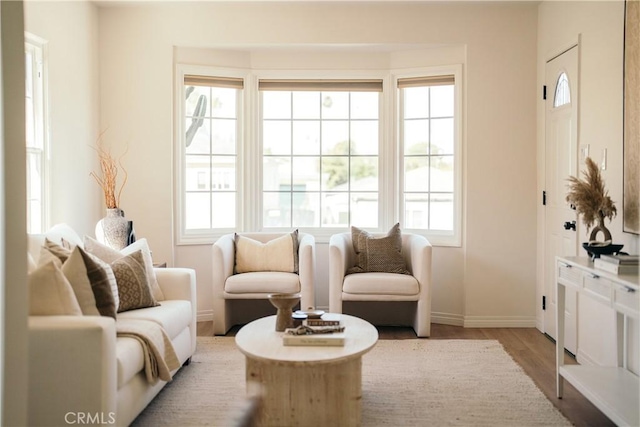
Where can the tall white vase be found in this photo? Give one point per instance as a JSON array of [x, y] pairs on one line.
[[114, 229]]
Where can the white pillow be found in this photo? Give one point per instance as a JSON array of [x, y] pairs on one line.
[[76, 273], [50, 293], [109, 255], [279, 254]]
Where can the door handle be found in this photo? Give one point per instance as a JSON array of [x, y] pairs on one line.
[[570, 225]]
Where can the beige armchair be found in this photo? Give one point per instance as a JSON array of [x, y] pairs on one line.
[[228, 286], [383, 287]]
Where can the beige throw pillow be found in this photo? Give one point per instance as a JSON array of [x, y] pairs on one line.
[[109, 255], [378, 254], [279, 254], [133, 284], [50, 293]]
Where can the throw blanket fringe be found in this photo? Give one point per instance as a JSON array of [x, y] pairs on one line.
[[159, 355]]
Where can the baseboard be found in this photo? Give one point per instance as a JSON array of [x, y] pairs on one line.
[[204, 316], [584, 359], [447, 319], [499, 322]]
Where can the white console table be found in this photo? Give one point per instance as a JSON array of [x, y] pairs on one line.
[[613, 390]]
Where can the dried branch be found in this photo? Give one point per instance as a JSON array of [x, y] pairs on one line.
[[108, 177]]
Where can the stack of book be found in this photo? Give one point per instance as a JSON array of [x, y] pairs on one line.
[[326, 322], [618, 264]]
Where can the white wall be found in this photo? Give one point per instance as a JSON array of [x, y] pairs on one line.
[[71, 31], [490, 280], [600, 26]]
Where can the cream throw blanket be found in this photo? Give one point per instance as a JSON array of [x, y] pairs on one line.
[[159, 355]]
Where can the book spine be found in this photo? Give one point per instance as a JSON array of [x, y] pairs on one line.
[[302, 341], [320, 322], [615, 268]]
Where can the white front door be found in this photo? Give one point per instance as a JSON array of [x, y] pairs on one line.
[[561, 156]]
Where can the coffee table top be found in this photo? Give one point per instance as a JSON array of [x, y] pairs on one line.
[[259, 340]]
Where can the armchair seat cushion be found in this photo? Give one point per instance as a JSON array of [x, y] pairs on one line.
[[381, 283], [172, 315], [262, 282]]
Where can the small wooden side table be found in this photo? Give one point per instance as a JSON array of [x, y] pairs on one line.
[[315, 385]]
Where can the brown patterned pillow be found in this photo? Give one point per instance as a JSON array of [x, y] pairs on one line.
[[134, 289], [101, 278], [378, 254]]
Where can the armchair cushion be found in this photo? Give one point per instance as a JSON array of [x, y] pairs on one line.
[[381, 284], [378, 254], [261, 282], [279, 254]]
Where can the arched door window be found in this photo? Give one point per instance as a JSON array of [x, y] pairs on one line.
[[563, 93]]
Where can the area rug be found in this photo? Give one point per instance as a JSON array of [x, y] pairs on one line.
[[404, 383]]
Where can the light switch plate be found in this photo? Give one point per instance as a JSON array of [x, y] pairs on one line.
[[584, 152], [603, 163]]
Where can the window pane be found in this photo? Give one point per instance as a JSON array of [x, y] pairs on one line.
[[198, 136], [276, 137], [442, 136], [442, 173], [30, 123], [306, 105], [276, 173], [416, 211], [364, 209], [335, 173], [416, 102], [306, 137], [441, 210], [306, 209], [416, 174], [335, 209], [277, 209], [335, 137], [364, 105], [364, 174], [223, 173], [197, 210], [197, 173], [364, 137], [306, 173], [223, 102], [224, 136], [442, 101], [276, 105], [416, 137], [562, 94], [335, 105], [223, 208]]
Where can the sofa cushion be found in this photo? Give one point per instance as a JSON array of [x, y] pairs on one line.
[[279, 254], [172, 315], [50, 292], [129, 359], [109, 255], [262, 282], [133, 284], [381, 284], [378, 254]]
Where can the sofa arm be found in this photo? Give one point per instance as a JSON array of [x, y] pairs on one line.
[[177, 283], [338, 264], [72, 370]]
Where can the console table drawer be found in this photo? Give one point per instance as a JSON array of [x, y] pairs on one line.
[[598, 287], [568, 275], [626, 300]]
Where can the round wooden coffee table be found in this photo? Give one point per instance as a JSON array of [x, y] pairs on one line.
[[315, 385]]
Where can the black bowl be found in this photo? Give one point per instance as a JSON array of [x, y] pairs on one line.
[[595, 251]]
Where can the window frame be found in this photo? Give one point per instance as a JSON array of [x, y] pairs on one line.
[[39, 47], [435, 237], [249, 151]]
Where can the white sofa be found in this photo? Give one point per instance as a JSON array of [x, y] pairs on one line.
[[81, 373]]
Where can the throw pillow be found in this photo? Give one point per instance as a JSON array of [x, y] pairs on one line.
[[279, 254], [99, 274], [75, 271], [108, 254], [378, 254], [50, 293], [133, 284]]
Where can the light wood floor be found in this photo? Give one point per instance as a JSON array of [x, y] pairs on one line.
[[531, 349]]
